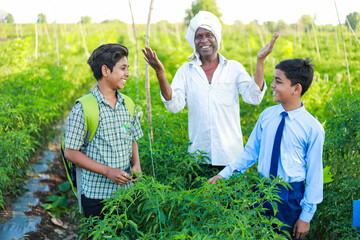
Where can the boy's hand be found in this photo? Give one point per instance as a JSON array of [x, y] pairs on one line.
[[263, 53], [301, 229], [118, 176], [214, 179], [137, 170], [152, 59]]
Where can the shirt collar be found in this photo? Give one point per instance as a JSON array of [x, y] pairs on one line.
[[100, 98], [197, 61], [292, 114]]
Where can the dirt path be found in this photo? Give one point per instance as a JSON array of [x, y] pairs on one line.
[[50, 227]]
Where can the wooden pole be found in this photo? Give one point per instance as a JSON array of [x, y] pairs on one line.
[[352, 30], [177, 34], [136, 44], [260, 36], [147, 80], [57, 45], [346, 60], [21, 31], [17, 31], [316, 43], [309, 37], [36, 42], [47, 33], [299, 35], [249, 53], [337, 40], [84, 40], [327, 38]]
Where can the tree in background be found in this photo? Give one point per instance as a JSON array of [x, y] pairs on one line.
[[271, 26], [9, 18], [41, 18], [283, 27], [4, 17], [85, 19], [202, 5], [113, 21], [305, 22], [354, 19]]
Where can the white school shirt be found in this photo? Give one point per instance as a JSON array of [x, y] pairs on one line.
[[300, 153], [214, 109]]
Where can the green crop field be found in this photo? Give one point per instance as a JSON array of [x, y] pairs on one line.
[[43, 70]]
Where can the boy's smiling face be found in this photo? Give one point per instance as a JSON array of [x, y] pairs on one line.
[[283, 92], [116, 78]]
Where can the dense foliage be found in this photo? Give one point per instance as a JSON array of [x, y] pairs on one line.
[[173, 199], [152, 210]]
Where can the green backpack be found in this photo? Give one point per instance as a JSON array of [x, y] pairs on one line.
[[91, 115]]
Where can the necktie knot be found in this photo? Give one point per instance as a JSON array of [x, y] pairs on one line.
[[284, 114]]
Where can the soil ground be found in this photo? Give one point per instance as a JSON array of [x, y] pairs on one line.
[[50, 227]]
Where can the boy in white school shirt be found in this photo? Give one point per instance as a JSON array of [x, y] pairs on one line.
[[300, 152]]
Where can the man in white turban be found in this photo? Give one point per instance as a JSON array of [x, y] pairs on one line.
[[210, 86]]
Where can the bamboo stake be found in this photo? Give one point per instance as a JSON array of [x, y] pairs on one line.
[[36, 41], [102, 33], [299, 36], [84, 40], [346, 21], [191, 13], [316, 43], [63, 32], [309, 37], [352, 30], [261, 36], [66, 30], [337, 40], [136, 45], [294, 40], [249, 53], [57, 45], [177, 34], [21, 31], [147, 80], [47, 33], [346, 60], [17, 31], [327, 38]]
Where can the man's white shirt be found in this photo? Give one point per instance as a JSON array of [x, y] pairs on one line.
[[214, 109]]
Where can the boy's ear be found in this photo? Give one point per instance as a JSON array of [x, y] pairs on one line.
[[105, 70], [297, 89]]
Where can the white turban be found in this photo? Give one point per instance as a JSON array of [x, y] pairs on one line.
[[208, 21]]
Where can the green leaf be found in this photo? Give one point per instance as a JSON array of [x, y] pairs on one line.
[[327, 176], [65, 186], [133, 224], [47, 206], [51, 198]]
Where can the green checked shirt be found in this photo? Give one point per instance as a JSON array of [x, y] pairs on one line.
[[111, 145]]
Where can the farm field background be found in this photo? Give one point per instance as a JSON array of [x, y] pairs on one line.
[[42, 73]]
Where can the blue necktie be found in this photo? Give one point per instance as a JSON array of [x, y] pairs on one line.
[[276, 148]]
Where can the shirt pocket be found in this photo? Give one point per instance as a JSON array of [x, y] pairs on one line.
[[114, 142], [226, 93], [293, 157], [126, 132]]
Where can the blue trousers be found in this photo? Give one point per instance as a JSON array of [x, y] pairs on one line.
[[289, 208]]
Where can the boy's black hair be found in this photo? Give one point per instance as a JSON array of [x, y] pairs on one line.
[[298, 71], [107, 54]]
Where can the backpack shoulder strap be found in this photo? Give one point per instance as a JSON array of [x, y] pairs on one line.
[[129, 104], [91, 116]]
